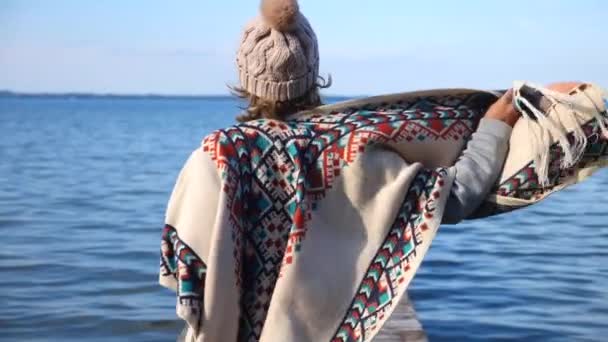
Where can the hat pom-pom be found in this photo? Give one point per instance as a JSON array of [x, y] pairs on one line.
[[281, 15]]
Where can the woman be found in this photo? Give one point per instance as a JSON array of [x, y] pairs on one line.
[[237, 245]]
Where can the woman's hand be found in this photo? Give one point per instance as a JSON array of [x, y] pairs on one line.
[[504, 110]]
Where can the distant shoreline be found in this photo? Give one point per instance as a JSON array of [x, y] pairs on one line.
[[77, 95]]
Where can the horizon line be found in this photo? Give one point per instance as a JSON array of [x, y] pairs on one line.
[[16, 93]]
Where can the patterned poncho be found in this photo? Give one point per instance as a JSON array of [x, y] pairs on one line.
[[311, 229]]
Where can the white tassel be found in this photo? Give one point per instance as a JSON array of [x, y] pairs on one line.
[[573, 119], [544, 129], [600, 114], [604, 114], [538, 143], [598, 110]]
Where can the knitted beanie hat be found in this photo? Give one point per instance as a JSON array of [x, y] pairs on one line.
[[278, 59]]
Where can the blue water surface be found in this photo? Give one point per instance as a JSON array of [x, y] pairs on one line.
[[83, 189]]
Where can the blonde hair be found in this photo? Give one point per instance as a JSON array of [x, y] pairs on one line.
[[260, 108]]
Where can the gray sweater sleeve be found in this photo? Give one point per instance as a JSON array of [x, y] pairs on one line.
[[477, 169]]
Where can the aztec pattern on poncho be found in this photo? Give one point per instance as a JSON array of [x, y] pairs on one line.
[[525, 184], [275, 172]]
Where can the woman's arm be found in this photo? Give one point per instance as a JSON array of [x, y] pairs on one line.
[[480, 164], [477, 169]]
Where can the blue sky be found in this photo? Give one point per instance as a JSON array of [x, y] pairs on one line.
[[369, 47]]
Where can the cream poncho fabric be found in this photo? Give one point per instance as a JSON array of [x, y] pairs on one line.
[[311, 229]]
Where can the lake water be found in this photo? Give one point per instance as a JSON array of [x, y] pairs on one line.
[[83, 189]]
